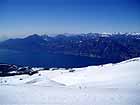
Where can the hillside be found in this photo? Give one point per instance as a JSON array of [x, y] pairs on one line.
[[110, 84], [126, 72]]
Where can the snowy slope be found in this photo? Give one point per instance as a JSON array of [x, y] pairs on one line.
[[124, 74], [36, 95], [110, 84], [36, 79]]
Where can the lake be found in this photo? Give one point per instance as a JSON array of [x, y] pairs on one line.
[[43, 59]]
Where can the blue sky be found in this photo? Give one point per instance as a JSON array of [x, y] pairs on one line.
[[22, 17]]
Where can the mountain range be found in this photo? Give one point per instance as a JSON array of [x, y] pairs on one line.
[[111, 47]]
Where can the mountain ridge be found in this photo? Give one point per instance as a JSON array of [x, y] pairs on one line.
[[118, 47]]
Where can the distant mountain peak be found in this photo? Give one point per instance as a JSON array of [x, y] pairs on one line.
[[33, 36]]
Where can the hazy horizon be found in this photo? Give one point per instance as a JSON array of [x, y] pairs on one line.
[[26, 17]]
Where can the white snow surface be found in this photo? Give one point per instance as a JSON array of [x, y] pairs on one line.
[[110, 84]]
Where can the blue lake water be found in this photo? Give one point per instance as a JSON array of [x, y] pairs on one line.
[[43, 59]]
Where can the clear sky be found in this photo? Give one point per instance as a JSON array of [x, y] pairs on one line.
[[22, 17]]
